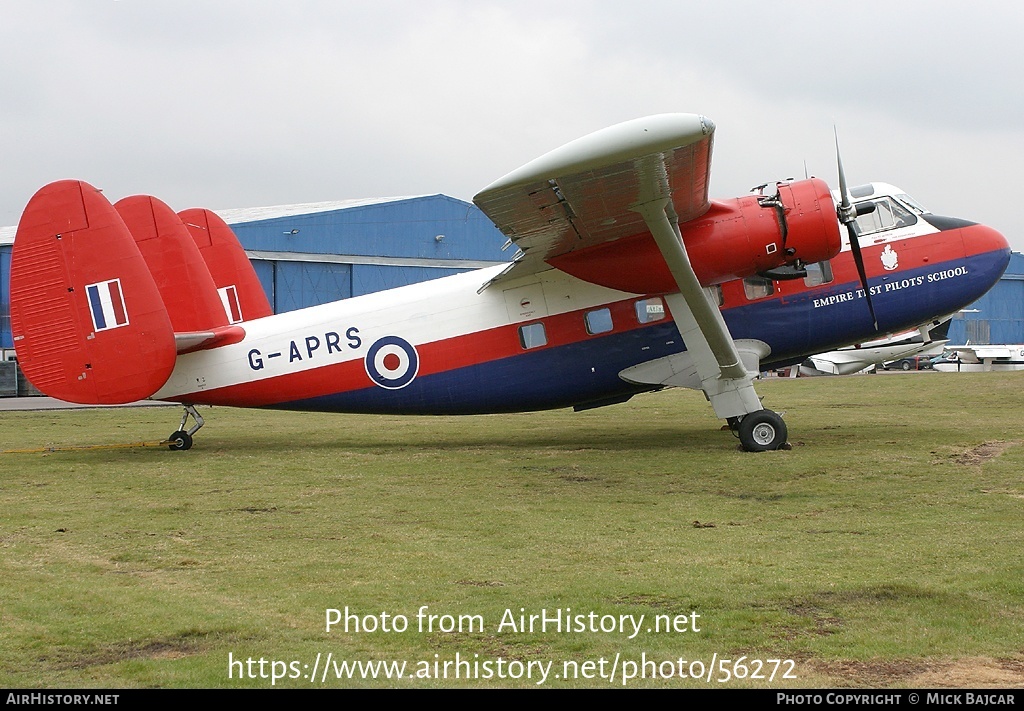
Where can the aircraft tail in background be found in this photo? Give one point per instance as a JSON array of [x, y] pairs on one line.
[[240, 290], [186, 287]]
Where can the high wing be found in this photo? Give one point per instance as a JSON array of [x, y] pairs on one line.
[[644, 175], [586, 192]]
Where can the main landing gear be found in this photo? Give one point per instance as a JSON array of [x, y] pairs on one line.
[[760, 431], [181, 439]]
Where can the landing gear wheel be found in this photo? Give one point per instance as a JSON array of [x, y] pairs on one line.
[[180, 440], [762, 431]]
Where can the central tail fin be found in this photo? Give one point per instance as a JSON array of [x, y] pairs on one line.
[[88, 320], [186, 287]]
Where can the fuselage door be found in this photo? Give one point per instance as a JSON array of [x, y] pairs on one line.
[[525, 303]]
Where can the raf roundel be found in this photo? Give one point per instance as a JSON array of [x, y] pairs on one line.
[[392, 362]]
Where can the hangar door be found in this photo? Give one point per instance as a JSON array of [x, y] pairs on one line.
[[301, 284]]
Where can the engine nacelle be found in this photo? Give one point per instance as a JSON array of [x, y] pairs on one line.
[[734, 239]]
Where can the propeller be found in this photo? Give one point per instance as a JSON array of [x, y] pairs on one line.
[[847, 214]]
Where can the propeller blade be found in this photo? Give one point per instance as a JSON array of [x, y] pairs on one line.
[[847, 214], [851, 227], [845, 210]]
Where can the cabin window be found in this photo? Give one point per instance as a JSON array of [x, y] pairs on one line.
[[757, 287], [599, 321], [532, 335], [888, 215], [818, 273], [650, 310]]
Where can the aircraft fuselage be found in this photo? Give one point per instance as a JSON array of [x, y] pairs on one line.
[[551, 340]]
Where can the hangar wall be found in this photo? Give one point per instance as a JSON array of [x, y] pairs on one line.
[[998, 316], [5, 297], [315, 253]]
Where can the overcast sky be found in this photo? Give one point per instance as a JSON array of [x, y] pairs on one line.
[[251, 102]]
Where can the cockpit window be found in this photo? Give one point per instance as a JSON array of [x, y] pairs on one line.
[[913, 204], [888, 215]]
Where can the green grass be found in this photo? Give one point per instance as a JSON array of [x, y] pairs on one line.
[[886, 542]]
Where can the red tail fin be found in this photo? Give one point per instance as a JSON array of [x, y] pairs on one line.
[[240, 290], [89, 325], [186, 287]]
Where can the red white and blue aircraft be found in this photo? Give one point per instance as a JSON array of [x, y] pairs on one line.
[[628, 279]]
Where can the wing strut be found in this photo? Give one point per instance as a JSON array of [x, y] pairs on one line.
[[724, 379]]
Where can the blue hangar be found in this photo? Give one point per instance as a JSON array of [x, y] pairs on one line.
[[314, 253], [998, 316]]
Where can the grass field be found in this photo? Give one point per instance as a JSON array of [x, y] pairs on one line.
[[884, 549]]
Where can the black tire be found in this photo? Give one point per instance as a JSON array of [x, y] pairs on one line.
[[905, 365], [762, 431], [180, 441]]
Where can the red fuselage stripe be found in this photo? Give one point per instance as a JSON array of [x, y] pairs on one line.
[[436, 357]]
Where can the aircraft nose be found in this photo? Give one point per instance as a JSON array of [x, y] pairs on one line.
[[988, 250], [985, 239]]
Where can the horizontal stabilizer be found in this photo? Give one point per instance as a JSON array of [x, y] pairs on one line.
[[88, 321], [205, 340]]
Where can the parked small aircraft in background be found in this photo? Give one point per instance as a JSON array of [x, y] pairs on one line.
[[628, 279], [928, 339], [981, 358]]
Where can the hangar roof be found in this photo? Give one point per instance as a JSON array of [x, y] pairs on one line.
[[238, 215], [253, 214]]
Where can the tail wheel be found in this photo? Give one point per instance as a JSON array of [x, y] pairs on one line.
[[179, 441], [762, 431]]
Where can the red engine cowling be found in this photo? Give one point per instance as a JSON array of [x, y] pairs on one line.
[[734, 239]]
